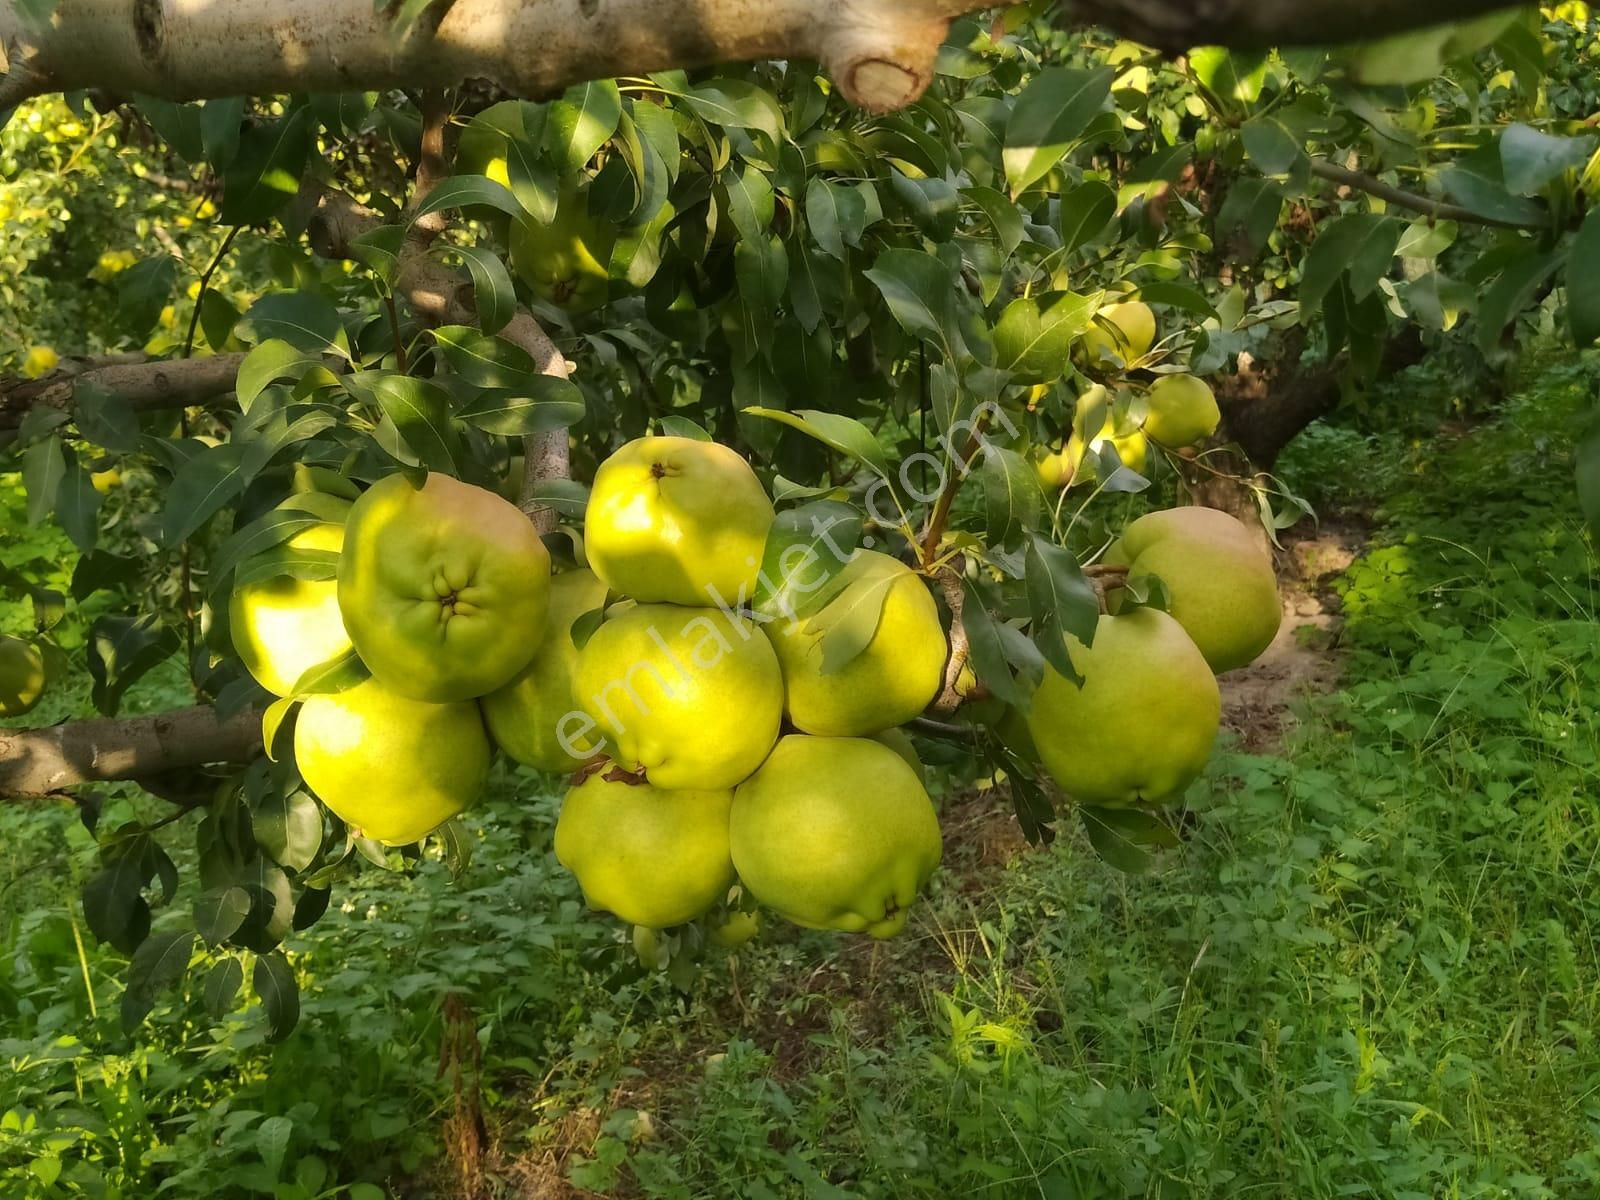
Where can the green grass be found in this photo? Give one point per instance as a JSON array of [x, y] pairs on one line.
[[1371, 971]]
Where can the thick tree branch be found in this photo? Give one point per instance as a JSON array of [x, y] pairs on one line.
[[1439, 210], [41, 762], [881, 53], [141, 386]]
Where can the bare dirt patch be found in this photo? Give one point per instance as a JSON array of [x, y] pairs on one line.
[[1258, 700]]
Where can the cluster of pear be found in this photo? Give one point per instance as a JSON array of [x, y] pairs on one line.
[[710, 742], [1141, 726], [22, 676], [1176, 411]]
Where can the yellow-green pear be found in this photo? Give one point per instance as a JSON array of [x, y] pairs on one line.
[[525, 717], [652, 857], [835, 833], [284, 629], [566, 262], [890, 681], [1220, 584], [1183, 411], [443, 588], [1141, 727], [22, 676], [1095, 424], [393, 768], [690, 696], [677, 521], [1132, 333]]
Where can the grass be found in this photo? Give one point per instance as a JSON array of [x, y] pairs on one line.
[[1371, 971]]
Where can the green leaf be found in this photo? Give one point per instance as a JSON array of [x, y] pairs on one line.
[[308, 321], [112, 905], [581, 122], [218, 317], [1270, 145], [460, 191], [1061, 601], [202, 486], [494, 295], [751, 201], [735, 104], [274, 982], [1514, 291], [1477, 181], [1002, 213], [222, 985], [1530, 159], [288, 828], [265, 172], [121, 651], [1230, 74], [1182, 296], [988, 654], [219, 912], [379, 250], [1249, 214], [1034, 337], [272, 1143], [457, 846], [420, 411], [541, 403], [482, 359], [685, 428], [807, 547], [1011, 496], [567, 497], [269, 362], [104, 418], [1120, 836], [143, 291], [77, 505], [1583, 282], [262, 534], [1084, 212], [160, 962], [1359, 245], [286, 562], [338, 675], [851, 621], [920, 291], [1053, 110], [219, 130], [43, 468], [1587, 463], [844, 434]]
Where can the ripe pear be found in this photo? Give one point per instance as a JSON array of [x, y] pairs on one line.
[[677, 521], [693, 697], [1220, 585], [285, 628], [889, 682], [1094, 425], [568, 261], [1141, 727], [393, 768], [653, 857], [525, 716], [443, 588], [1183, 411], [1135, 332], [22, 676], [835, 833]]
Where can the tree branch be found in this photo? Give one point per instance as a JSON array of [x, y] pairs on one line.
[[1439, 210], [141, 386], [881, 53], [42, 762]]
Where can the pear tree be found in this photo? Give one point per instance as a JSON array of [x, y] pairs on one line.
[[730, 407]]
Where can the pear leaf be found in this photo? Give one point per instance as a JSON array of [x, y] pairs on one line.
[[851, 622]]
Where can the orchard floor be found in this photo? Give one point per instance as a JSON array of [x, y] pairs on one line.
[[1371, 969]]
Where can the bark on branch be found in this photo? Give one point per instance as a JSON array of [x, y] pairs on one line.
[[881, 53], [141, 386], [43, 762], [1439, 210]]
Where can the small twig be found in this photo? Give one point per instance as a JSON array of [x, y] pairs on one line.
[[1439, 210], [941, 509], [205, 285], [950, 696], [394, 324]]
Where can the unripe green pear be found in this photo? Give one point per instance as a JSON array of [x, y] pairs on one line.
[[835, 833], [889, 682], [22, 676], [392, 768], [525, 716], [678, 521], [284, 629], [690, 696], [1141, 727], [1183, 411], [1220, 585], [1133, 333], [653, 857], [566, 262], [443, 588]]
